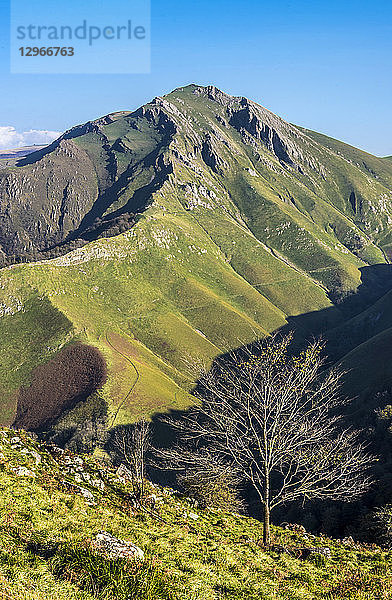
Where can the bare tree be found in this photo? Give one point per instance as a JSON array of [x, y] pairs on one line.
[[274, 419], [130, 444]]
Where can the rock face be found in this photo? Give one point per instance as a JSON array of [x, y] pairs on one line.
[[246, 120], [113, 548], [91, 181], [60, 197], [41, 203], [317, 551]]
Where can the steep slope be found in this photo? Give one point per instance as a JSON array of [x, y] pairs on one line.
[[54, 505], [242, 222]]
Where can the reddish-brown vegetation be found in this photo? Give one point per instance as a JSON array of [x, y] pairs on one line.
[[71, 376]]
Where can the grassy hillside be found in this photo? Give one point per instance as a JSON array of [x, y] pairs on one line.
[[53, 505], [243, 223]]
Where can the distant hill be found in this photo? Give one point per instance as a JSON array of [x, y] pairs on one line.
[[192, 225], [19, 152], [9, 158]]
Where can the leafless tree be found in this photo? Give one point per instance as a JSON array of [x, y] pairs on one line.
[[274, 419], [130, 444]]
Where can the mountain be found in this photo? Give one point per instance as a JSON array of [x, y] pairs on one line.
[[9, 158], [67, 521], [20, 152], [192, 225]]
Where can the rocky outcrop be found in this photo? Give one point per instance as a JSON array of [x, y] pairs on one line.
[[211, 157], [246, 120], [321, 552], [95, 179], [114, 548]]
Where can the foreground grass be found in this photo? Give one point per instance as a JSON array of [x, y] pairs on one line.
[[46, 528]]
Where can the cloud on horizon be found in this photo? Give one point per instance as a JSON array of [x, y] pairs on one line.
[[11, 138]]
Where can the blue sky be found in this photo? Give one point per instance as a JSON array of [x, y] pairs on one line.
[[324, 65]]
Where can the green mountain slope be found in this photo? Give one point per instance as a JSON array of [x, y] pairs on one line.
[[242, 222]]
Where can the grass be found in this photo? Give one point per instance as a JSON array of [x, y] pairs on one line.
[[216, 260], [46, 531], [376, 354], [193, 303], [105, 578]]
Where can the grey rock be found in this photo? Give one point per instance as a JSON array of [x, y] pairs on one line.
[[124, 473], [87, 495], [32, 453], [98, 483], [324, 552], [348, 541], [23, 472], [115, 548]]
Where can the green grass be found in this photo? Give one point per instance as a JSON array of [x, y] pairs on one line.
[[193, 304], [46, 532], [216, 260], [105, 578]]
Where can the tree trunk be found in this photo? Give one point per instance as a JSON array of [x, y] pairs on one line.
[[266, 527]]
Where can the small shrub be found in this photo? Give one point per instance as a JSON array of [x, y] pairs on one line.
[[379, 525], [214, 490], [318, 560]]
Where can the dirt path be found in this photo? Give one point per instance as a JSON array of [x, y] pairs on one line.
[[123, 401]]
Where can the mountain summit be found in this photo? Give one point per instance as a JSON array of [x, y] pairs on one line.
[[97, 175], [194, 224]]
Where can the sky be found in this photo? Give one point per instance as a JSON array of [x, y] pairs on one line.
[[324, 65]]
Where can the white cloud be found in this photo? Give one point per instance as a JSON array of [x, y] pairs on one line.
[[11, 138]]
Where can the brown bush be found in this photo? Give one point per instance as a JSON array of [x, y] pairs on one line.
[[72, 375], [218, 491]]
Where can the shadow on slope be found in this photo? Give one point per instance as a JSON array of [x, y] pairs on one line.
[[376, 282], [331, 517]]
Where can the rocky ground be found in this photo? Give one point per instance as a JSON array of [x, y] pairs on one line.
[[70, 528]]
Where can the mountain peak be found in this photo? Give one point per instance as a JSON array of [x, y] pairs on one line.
[[208, 91], [195, 128]]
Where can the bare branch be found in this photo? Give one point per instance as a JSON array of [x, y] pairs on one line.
[[273, 419]]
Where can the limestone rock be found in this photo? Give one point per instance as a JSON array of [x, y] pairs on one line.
[[33, 453], [23, 472], [323, 552], [114, 548]]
